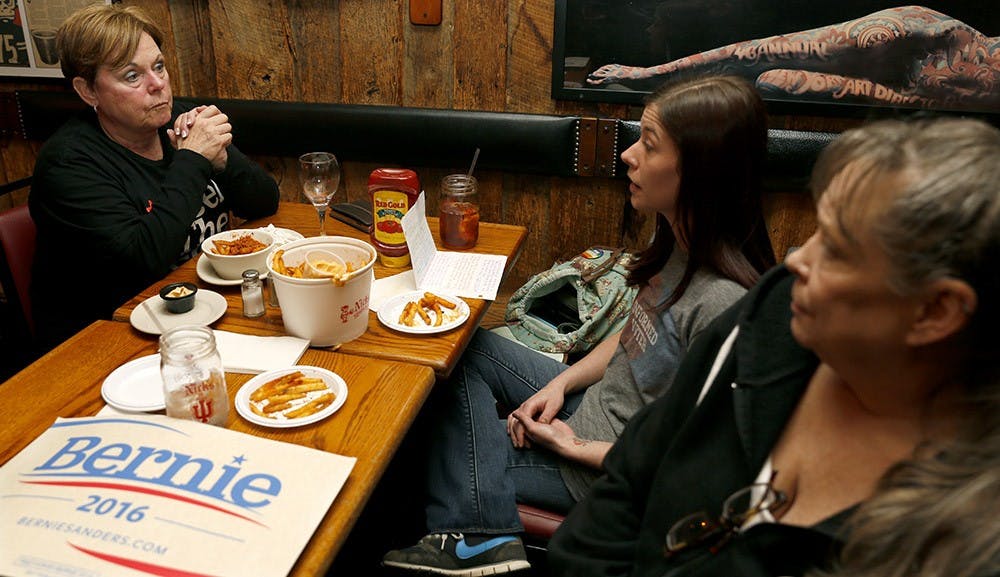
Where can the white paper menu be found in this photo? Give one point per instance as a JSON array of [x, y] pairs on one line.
[[147, 494], [461, 274]]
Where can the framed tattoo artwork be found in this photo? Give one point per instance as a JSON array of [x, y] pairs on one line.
[[28, 35], [847, 54]]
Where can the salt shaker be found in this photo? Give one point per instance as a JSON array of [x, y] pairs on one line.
[[194, 382], [253, 294]]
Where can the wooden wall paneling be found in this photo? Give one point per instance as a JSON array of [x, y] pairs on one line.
[[585, 212], [490, 196], [284, 170], [480, 48], [252, 56], [371, 54], [430, 182], [354, 180], [314, 45], [529, 63], [17, 157], [791, 220], [428, 62], [17, 161], [527, 202]]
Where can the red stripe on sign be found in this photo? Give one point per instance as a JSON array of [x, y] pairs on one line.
[[143, 490], [148, 568]]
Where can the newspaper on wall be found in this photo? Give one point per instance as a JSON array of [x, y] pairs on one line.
[[99, 495], [28, 35]]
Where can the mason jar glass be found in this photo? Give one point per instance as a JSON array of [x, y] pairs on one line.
[[459, 212], [194, 383]]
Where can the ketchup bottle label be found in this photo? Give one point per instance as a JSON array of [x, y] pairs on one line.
[[389, 207], [393, 191]]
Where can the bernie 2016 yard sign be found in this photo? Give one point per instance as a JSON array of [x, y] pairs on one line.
[[161, 496]]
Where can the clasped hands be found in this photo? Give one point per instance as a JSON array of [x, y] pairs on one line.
[[534, 422], [205, 130]]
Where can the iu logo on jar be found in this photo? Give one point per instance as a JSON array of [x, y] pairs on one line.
[[202, 410]]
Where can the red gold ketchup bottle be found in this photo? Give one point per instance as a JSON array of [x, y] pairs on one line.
[[393, 191]]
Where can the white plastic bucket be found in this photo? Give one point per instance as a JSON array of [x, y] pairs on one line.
[[317, 309]]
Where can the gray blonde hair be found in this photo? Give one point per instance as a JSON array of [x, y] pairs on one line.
[[931, 191], [933, 517], [942, 218]]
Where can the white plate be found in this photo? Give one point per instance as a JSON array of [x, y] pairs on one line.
[[282, 235], [333, 381], [389, 311], [135, 386], [209, 306], [206, 272]]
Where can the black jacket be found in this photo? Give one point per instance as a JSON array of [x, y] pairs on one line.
[[675, 458]]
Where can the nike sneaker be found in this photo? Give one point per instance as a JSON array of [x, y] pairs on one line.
[[461, 555]]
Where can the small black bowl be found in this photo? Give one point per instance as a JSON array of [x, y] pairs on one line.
[[179, 304]]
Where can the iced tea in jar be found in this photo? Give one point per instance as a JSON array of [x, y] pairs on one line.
[[459, 212], [194, 383]]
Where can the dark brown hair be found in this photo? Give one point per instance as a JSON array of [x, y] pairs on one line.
[[719, 124]]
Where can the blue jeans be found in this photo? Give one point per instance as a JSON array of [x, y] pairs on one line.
[[475, 475]]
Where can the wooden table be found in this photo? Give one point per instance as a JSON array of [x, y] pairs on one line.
[[438, 351], [384, 398]]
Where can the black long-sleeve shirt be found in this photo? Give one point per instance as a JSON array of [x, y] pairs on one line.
[[111, 222]]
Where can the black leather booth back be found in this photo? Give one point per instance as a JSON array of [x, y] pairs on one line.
[[516, 143], [528, 143]]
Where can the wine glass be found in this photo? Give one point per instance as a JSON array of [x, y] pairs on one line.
[[320, 174]]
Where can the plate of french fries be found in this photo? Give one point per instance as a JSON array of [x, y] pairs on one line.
[[291, 397], [423, 312]]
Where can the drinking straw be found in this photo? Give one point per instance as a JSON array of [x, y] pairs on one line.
[[475, 157], [472, 167]]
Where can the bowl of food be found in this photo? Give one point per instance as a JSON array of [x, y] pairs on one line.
[[179, 296], [234, 251]]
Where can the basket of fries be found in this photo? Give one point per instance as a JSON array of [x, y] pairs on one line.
[[330, 309]]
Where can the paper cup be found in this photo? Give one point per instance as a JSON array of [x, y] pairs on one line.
[[317, 309]]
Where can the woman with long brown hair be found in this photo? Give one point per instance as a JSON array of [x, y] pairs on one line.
[[697, 167]]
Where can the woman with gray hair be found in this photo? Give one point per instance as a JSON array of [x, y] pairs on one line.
[[870, 348]]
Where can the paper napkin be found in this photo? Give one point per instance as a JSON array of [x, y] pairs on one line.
[[384, 289], [253, 354]]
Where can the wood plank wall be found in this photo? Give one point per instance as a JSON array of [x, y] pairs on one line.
[[492, 55]]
